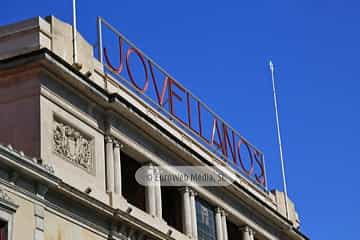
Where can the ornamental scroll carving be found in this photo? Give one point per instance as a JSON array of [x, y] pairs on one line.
[[73, 146]]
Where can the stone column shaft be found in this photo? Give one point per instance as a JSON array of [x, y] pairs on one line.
[[158, 193], [218, 222], [109, 165], [186, 216], [117, 169], [252, 234], [150, 198], [224, 225], [193, 214]]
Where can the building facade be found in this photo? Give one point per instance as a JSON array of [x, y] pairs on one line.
[[72, 138]]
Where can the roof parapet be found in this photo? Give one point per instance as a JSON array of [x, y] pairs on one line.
[[280, 202]]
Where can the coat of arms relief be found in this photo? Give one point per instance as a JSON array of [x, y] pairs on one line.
[[73, 146]]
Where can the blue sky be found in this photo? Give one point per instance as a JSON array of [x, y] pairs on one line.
[[220, 50]]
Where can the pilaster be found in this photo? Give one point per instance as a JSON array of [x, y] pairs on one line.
[[109, 164]]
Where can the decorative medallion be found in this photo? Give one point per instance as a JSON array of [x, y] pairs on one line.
[[73, 146]]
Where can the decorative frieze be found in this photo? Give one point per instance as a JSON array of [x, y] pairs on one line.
[[72, 145]]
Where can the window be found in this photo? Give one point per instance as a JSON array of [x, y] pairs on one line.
[[132, 190], [7, 210], [233, 230], [3, 230], [171, 206], [205, 217]]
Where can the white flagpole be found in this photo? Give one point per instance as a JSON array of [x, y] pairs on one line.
[[271, 65], [74, 33]]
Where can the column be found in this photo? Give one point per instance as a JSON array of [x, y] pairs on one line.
[[218, 222], [246, 233], [150, 198], [186, 216], [252, 234], [158, 192], [117, 168], [224, 225], [109, 165], [193, 214]]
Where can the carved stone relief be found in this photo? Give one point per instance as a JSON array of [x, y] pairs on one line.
[[72, 145], [4, 196]]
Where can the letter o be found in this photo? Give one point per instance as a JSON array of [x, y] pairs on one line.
[[129, 52], [251, 170]]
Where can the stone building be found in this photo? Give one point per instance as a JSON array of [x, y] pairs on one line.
[[72, 139]]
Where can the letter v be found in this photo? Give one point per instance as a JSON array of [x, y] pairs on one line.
[[160, 98]]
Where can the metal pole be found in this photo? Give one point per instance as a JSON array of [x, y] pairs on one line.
[[74, 33], [99, 35], [265, 177], [271, 65]]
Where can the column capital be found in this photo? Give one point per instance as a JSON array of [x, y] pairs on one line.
[[117, 144], [246, 228], [218, 210], [193, 192], [156, 168], [184, 189], [108, 139], [223, 213], [149, 164]]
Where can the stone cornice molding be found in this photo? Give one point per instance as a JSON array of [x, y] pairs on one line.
[[22, 163]]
